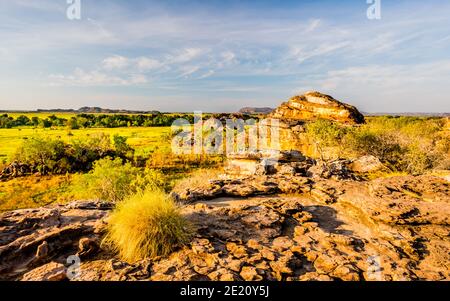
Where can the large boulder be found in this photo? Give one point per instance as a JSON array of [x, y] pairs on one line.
[[315, 105], [367, 164]]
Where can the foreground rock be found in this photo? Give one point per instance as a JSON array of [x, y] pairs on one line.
[[315, 105], [32, 238], [296, 219], [387, 229]]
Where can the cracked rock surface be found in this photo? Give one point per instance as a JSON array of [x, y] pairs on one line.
[[266, 227]]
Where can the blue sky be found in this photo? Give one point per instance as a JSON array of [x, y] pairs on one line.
[[223, 55]]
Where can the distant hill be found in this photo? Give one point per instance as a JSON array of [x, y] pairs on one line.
[[96, 110], [252, 110]]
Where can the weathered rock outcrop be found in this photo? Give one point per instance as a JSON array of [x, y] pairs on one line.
[[32, 238], [315, 105], [289, 223], [15, 169], [387, 229]]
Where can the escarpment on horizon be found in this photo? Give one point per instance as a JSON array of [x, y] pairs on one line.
[[315, 105]]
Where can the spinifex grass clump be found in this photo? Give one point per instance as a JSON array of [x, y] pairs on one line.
[[146, 225]]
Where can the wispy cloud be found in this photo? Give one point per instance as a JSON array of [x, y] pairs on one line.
[[115, 62], [394, 88], [210, 46], [83, 78]]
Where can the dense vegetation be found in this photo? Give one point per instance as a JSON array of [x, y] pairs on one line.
[[114, 180], [54, 156], [96, 166], [408, 144], [102, 120], [92, 120]]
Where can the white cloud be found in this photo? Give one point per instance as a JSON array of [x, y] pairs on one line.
[[394, 88], [176, 47], [95, 78], [138, 79], [4, 53], [313, 25], [115, 62], [227, 58], [207, 74], [146, 64], [186, 55], [302, 53], [188, 70]]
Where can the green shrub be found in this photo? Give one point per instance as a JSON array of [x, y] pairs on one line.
[[325, 134], [121, 147], [146, 225], [150, 178], [381, 145], [46, 155], [109, 180], [43, 155], [409, 144], [113, 180]]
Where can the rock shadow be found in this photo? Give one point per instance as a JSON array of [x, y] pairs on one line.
[[327, 219]]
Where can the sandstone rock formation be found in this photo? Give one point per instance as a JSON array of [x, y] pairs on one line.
[[367, 164], [32, 238], [315, 105], [289, 223], [15, 169]]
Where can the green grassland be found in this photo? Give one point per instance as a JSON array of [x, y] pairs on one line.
[[66, 115], [144, 139], [35, 191]]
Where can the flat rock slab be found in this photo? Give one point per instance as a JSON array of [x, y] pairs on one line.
[[32, 238], [387, 229]]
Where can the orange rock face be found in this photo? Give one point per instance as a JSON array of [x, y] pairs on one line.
[[315, 105]]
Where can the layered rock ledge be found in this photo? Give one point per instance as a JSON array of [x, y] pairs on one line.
[[295, 222], [315, 105]]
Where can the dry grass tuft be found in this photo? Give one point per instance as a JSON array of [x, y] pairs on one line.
[[198, 178], [146, 225]]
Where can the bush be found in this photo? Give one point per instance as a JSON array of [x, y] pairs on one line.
[[325, 134], [85, 152], [146, 225], [113, 180], [109, 180], [150, 178], [121, 146], [367, 142], [408, 144], [46, 155], [43, 155]]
